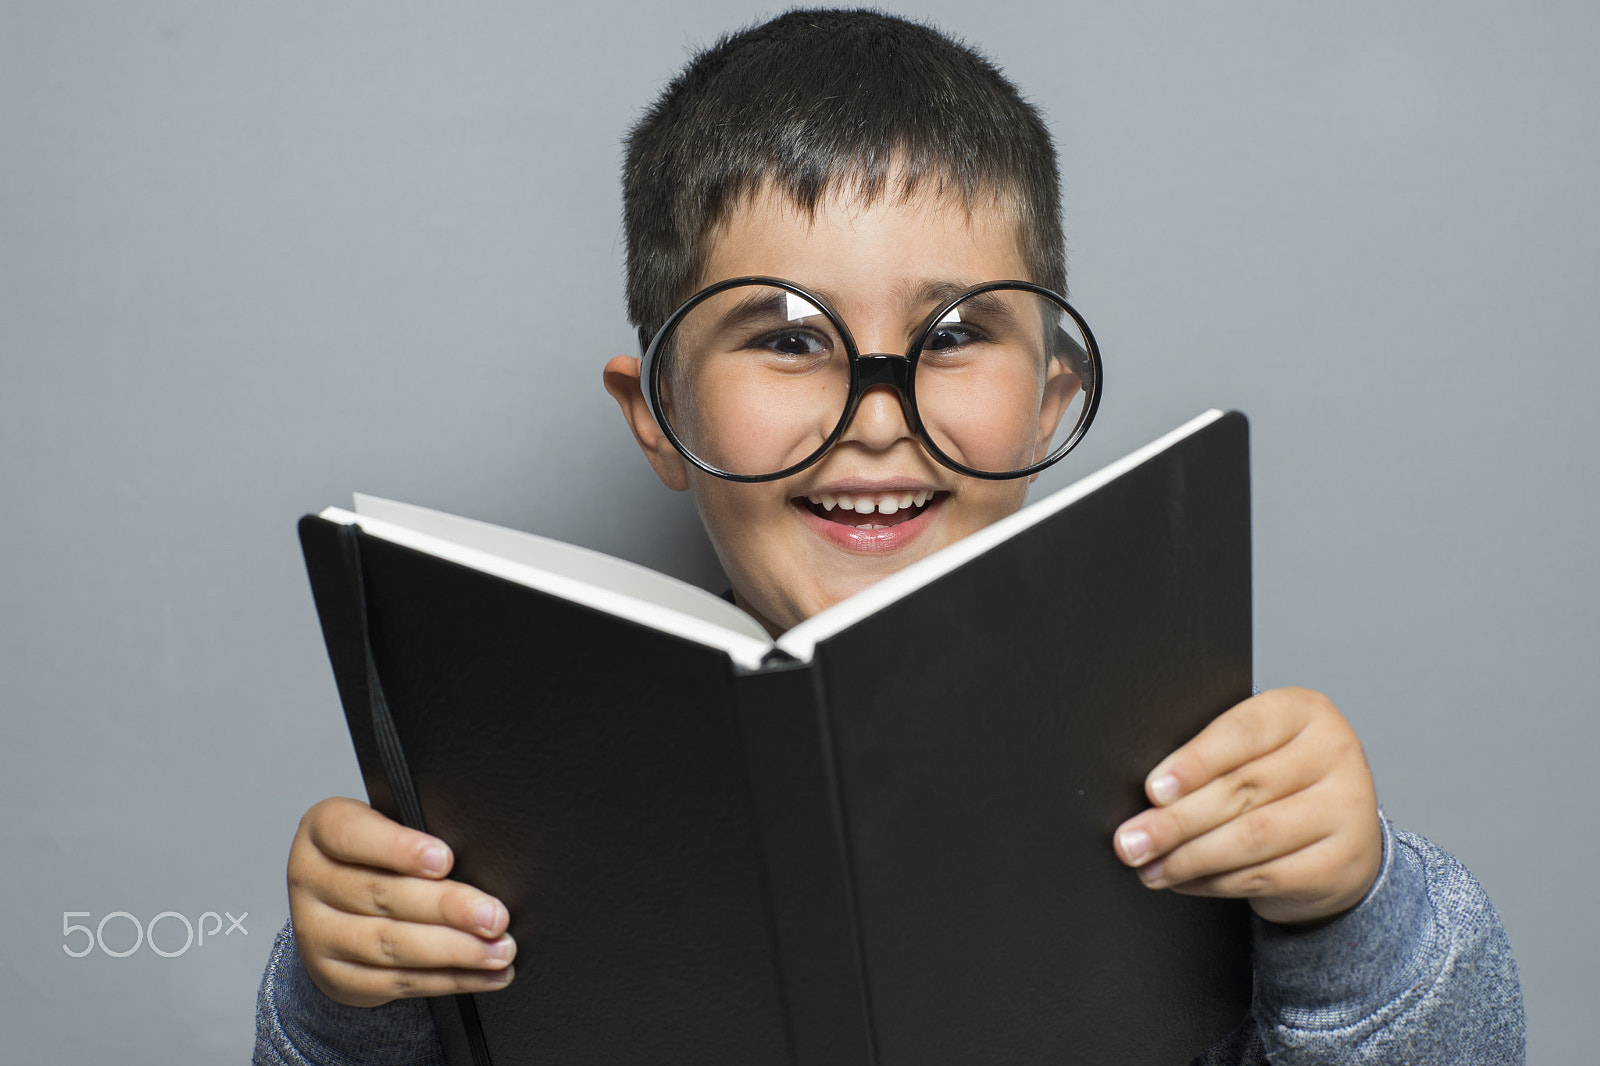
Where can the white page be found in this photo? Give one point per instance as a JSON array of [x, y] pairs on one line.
[[579, 574]]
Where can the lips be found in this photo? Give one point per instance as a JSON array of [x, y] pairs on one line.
[[869, 522]]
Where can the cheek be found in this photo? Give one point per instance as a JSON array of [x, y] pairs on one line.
[[746, 420], [981, 503], [987, 423], [741, 520]]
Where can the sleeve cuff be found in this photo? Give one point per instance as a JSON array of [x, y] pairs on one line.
[[298, 1025], [1340, 973]]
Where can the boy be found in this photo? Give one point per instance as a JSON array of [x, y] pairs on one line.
[[882, 168]]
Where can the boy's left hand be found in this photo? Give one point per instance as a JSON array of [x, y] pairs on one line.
[[1273, 801]]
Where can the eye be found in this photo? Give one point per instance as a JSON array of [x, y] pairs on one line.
[[951, 335], [792, 342]]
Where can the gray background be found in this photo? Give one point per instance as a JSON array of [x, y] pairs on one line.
[[253, 257]]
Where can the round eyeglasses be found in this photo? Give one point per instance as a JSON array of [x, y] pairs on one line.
[[754, 379]]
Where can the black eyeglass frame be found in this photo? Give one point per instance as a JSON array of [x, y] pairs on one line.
[[878, 368]]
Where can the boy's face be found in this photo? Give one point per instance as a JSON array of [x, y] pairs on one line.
[[786, 556]]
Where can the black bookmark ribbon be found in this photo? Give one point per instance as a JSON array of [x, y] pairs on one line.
[[393, 757]]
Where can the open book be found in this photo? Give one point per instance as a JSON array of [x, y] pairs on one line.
[[882, 838]]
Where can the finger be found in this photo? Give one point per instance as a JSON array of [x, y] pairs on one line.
[[386, 942], [358, 985], [1294, 888], [349, 831], [1288, 876], [1256, 837], [1278, 774], [369, 892], [1259, 725]]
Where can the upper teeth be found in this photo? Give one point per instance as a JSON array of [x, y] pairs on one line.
[[879, 503]]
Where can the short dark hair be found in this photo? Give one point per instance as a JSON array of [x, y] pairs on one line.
[[815, 101]]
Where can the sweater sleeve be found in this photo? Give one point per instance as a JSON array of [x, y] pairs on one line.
[[1419, 972], [297, 1025]]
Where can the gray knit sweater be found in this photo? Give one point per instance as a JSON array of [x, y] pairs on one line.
[[1420, 972]]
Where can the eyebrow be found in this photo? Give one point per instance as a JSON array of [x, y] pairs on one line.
[[770, 305], [988, 303], [935, 292], [763, 306]]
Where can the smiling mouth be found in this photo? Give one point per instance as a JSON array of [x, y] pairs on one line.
[[868, 511]]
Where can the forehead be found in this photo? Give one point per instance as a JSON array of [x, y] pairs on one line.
[[866, 250]]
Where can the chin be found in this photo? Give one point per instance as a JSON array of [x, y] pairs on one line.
[[848, 586]]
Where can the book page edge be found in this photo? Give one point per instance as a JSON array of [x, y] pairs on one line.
[[640, 582], [746, 652]]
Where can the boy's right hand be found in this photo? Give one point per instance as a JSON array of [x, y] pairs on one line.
[[374, 918]]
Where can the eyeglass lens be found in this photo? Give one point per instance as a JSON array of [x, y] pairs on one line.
[[755, 379]]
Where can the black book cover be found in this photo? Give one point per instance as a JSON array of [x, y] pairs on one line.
[[892, 849]]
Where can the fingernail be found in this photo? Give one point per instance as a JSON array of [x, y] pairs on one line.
[[487, 915], [1135, 844], [501, 949], [504, 976], [1164, 789], [1151, 874], [435, 858]]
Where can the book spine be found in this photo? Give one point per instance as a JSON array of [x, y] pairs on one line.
[[341, 598], [787, 751], [339, 611]]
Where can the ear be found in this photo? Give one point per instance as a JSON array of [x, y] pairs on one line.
[[1060, 388], [622, 382]]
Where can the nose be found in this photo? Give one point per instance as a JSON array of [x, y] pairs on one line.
[[883, 414]]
